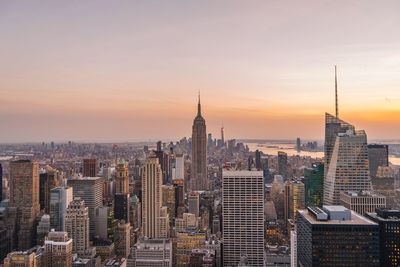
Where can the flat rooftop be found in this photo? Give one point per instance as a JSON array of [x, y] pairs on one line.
[[356, 219]]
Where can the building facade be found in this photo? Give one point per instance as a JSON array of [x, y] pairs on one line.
[[243, 216]]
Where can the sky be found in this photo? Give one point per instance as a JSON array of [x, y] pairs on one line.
[[131, 70]]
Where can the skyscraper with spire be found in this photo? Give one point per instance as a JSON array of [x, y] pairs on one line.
[[346, 157], [199, 179]]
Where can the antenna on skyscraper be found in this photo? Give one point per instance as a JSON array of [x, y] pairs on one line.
[[336, 96]]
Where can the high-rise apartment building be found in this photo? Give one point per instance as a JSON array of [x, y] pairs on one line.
[[77, 226], [89, 189], [362, 202], [199, 178], [60, 197], [90, 168], [151, 197], [348, 168], [282, 164], [24, 201], [314, 185], [243, 216], [336, 236], [378, 155], [58, 250], [389, 235]]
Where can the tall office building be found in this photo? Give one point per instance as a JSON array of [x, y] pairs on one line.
[[163, 160], [243, 216], [294, 199], [58, 249], [258, 160], [89, 189], [77, 226], [199, 178], [336, 236], [90, 168], [151, 197], [60, 197], [24, 201], [333, 126], [314, 185], [168, 200], [282, 164], [348, 168], [389, 235], [222, 136], [48, 179], [378, 155], [42, 229], [179, 167], [122, 206], [121, 179]]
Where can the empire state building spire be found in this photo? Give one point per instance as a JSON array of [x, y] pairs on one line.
[[199, 107], [199, 179]]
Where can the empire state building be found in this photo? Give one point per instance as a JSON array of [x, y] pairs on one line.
[[199, 179]]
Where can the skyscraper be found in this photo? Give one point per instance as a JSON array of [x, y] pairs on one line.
[[60, 197], [333, 126], [243, 216], [199, 179], [24, 201], [389, 235], [77, 226], [194, 203], [348, 168], [336, 236], [89, 189], [314, 185], [282, 164], [121, 179], [378, 155], [89, 167], [151, 197]]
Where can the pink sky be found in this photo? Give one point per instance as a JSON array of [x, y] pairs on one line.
[[125, 71]]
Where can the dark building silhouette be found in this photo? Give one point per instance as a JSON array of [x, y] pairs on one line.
[[314, 185], [378, 155], [89, 168], [282, 164], [389, 235]]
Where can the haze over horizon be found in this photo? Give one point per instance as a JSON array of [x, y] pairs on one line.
[[101, 71]]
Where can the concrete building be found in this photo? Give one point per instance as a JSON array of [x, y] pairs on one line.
[[77, 226], [151, 197], [332, 236], [58, 249], [188, 223], [202, 258], [183, 243], [179, 167], [122, 178], [24, 202], [362, 202], [199, 177], [60, 197], [154, 253], [243, 216], [89, 189]]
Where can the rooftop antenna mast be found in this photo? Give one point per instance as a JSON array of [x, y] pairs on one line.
[[336, 95]]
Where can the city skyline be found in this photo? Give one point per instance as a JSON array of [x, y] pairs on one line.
[[264, 69]]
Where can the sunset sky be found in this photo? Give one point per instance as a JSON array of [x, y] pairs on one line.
[[131, 70]]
